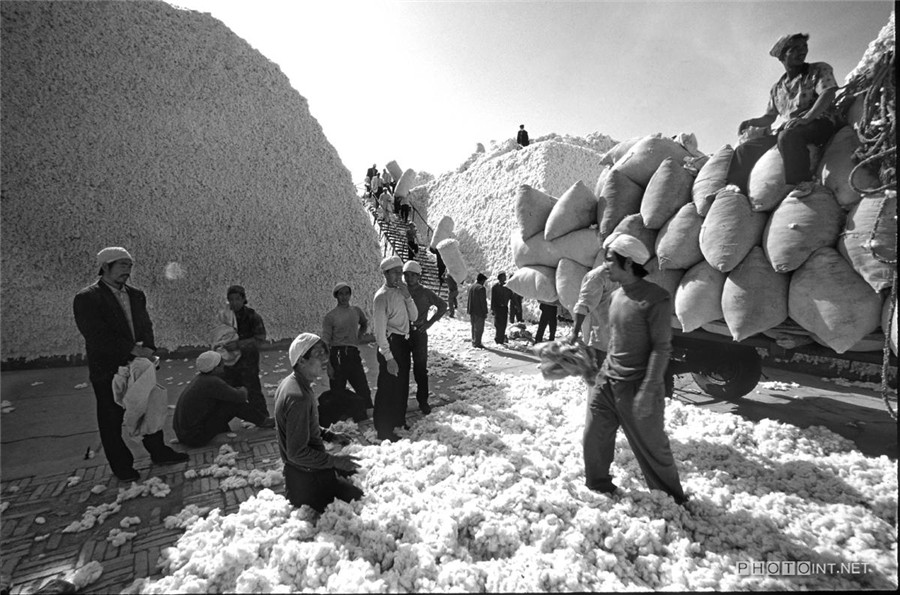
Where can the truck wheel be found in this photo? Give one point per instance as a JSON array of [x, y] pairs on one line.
[[732, 376]]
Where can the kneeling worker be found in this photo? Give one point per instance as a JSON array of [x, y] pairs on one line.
[[209, 403]]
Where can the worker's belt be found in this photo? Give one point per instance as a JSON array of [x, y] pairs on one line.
[[344, 348]]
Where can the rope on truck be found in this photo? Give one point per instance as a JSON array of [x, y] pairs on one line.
[[886, 353], [877, 132]]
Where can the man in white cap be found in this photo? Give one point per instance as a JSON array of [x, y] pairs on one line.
[[593, 305], [418, 328], [311, 475], [630, 388], [342, 328], [208, 403], [393, 308], [113, 319]]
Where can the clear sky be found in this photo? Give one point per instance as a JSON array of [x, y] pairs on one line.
[[423, 82]]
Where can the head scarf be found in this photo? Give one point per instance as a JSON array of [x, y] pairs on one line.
[[629, 247]]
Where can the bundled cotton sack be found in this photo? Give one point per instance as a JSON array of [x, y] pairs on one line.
[[633, 225], [575, 209], [581, 246], [869, 241], [535, 282], [613, 155], [569, 275], [766, 185], [698, 299], [598, 187], [730, 229], [678, 242], [668, 279], [712, 177], [404, 184], [452, 257], [533, 207], [836, 165], [394, 170], [754, 297], [620, 197], [442, 231], [830, 300], [643, 159], [889, 322], [800, 226], [668, 190]]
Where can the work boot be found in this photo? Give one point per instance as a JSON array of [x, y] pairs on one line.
[[425, 408], [161, 454], [128, 475]]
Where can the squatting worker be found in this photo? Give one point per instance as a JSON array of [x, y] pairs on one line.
[[311, 475], [393, 308], [342, 328], [629, 391], [418, 329], [116, 326], [801, 103], [251, 335], [208, 403]]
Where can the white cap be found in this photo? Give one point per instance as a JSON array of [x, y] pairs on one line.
[[412, 266], [338, 286], [628, 246], [300, 346], [391, 262], [207, 361], [112, 254]]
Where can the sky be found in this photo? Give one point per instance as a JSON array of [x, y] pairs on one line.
[[424, 82]]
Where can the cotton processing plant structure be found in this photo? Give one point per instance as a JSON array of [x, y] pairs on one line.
[[158, 129]]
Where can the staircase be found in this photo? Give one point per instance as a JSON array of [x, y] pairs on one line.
[[394, 231]]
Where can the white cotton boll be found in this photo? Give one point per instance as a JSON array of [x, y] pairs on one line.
[[173, 271]]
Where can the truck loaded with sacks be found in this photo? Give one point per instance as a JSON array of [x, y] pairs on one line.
[[778, 270]]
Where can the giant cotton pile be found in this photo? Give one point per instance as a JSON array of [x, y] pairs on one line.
[[487, 495]]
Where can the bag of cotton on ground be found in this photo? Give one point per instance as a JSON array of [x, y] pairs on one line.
[[668, 190], [581, 245], [830, 300], [620, 197], [442, 231], [533, 208], [800, 226], [754, 297], [404, 184], [535, 282], [698, 299], [889, 322], [394, 170], [452, 257], [620, 150], [678, 242], [575, 209], [633, 225], [569, 275], [712, 177], [644, 158], [836, 165], [869, 241], [730, 229]]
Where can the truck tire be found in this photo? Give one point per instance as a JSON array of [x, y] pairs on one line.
[[730, 374]]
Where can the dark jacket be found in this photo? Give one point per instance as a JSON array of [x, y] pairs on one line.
[[107, 335], [500, 296], [522, 138], [477, 303]]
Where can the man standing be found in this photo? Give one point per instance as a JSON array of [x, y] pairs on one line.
[[500, 295], [522, 136], [393, 308], [113, 319], [630, 390], [477, 308], [547, 321], [251, 334], [418, 329], [452, 293], [515, 307], [593, 300], [342, 328], [209, 403]]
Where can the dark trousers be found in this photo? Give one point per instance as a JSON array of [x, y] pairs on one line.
[[418, 345], [217, 422], [611, 405], [515, 313], [413, 249], [246, 374], [477, 328], [392, 392], [500, 316], [404, 212], [396, 205], [317, 489], [792, 146], [548, 319], [348, 367]]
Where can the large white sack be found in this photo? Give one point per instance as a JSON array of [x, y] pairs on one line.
[[575, 209], [404, 184], [535, 282], [619, 151], [598, 187], [642, 160], [800, 226], [889, 322], [620, 197], [580, 245], [394, 170], [533, 207], [836, 165], [442, 231], [869, 240], [766, 186], [569, 275], [667, 191], [830, 300], [754, 297], [698, 299], [678, 242], [713, 176], [730, 229], [452, 257], [633, 225], [668, 279]]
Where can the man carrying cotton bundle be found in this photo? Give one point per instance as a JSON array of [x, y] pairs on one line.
[[630, 388], [593, 299]]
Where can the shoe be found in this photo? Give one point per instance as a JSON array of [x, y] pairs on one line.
[[130, 475], [269, 422], [392, 437], [607, 487], [425, 408], [169, 458]]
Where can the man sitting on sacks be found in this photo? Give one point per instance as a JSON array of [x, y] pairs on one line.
[[802, 103], [209, 403]]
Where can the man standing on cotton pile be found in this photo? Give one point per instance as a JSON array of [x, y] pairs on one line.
[[393, 308], [522, 136], [630, 388], [418, 329], [311, 475]]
